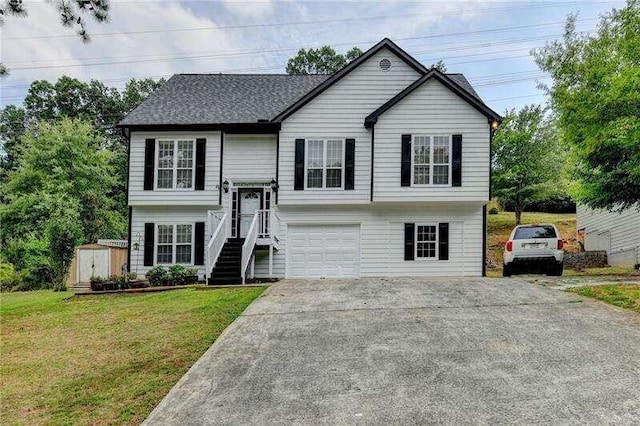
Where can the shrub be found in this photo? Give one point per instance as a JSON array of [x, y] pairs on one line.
[[132, 276], [97, 279], [10, 279], [29, 258], [156, 275], [177, 273], [555, 204], [493, 210]]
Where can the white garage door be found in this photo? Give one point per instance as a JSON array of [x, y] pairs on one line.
[[323, 251]]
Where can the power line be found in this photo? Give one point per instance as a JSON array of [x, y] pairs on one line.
[[252, 52], [322, 21]]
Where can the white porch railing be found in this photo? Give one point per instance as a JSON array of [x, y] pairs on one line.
[[213, 219], [249, 245], [269, 224], [214, 247]]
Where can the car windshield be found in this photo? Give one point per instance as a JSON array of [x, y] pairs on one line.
[[530, 232]]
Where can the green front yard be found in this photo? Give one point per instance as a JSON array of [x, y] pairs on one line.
[[104, 359], [622, 295]]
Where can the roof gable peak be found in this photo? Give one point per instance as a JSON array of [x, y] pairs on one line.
[[337, 76]]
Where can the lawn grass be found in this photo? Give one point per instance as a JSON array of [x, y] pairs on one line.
[[622, 295], [105, 359], [500, 226]]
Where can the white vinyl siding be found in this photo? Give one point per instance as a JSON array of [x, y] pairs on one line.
[[617, 233], [174, 196], [249, 158], [382, 237], [339, 113], [181, 222], [432, 110]]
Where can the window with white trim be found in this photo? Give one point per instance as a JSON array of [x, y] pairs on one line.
[[324, 163], [174, 244], [431, 160], [175, 164], [426, 241]]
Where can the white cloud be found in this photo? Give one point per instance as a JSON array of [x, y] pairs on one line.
[[250, 9], [33, 43]]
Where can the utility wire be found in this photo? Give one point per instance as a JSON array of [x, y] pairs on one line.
[[321, 21], [284, 49]]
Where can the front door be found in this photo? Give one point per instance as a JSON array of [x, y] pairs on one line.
[[250, 201]]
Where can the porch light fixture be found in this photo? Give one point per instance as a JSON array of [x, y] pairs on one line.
[[225, 186], [495, 124], [274, 185], [136, 246]]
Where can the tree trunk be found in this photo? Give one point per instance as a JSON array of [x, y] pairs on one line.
[[518, 216]]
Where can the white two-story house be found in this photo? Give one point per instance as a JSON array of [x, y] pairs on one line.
[[381, 169]]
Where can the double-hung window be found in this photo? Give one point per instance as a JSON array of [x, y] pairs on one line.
[[325, 163], [174, 244], [426, 241], [175, 164], [431, 160]]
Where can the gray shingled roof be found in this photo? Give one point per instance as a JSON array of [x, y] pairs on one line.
[[462, 81], [229, 98], [221, 98]]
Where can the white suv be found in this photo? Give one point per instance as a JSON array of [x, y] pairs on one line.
[[534, 247]]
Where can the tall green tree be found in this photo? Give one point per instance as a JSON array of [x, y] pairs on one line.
[[324, 60], [595, 90], [62, 167], [527, 159]]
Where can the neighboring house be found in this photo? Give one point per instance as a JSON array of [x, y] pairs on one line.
[[381, 169], [617, 233]]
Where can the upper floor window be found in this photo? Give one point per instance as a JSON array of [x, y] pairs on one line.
[[324, 163], [175, 165], [431, 160]]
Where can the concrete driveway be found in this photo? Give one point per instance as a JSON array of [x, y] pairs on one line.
[[398, 351]]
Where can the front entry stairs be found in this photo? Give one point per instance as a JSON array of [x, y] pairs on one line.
[[228, 265]]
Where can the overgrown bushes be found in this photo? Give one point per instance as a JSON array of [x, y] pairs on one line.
[[554, 204], [174, 275]]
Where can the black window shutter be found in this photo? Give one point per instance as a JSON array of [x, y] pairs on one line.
[[443, 241], [149, 229], [149, 163], [409, 241], [349, 163], [200, 161], [405, 171], [298, 183], [199, 244], [456, 160]]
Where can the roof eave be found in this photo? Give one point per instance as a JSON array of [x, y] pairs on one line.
[[261, 127], [372, 118]]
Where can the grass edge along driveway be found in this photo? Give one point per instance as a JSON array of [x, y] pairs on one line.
[[622, 295], [104, 359]]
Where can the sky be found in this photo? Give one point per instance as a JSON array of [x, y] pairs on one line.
[[488, 41]]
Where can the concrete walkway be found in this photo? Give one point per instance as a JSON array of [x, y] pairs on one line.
[[414, 351]]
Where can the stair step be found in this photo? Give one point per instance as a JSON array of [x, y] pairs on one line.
[[229, 280], [229, 270]]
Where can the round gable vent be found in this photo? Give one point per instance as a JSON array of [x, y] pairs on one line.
[[384, 64]]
